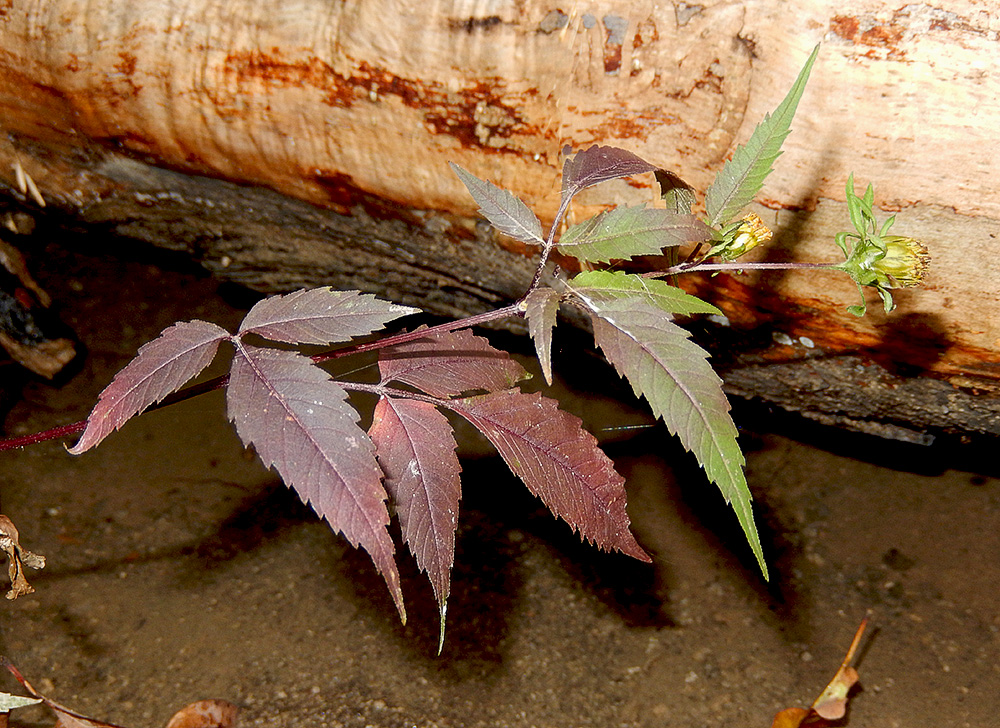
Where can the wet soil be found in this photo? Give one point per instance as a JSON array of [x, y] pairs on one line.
[[179, 569]]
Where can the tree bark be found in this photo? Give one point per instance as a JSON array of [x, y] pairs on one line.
[[303, 143]]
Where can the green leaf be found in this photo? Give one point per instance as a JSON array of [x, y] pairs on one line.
[[742, 177], [626, 231], [599, 285], [663, 365]]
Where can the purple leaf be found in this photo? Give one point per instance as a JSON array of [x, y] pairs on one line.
[[416, 448], [320, 316], [507, 213], [559, 461], [599, 164], [300, 423], [448, 364], [161, 367], [540, 308]]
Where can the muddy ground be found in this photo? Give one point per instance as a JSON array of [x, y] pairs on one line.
[[179, 569]]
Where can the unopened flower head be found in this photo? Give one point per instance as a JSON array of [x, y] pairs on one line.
[[750, 233], [875, 258]]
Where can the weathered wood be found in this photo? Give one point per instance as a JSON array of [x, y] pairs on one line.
[[304, 142]]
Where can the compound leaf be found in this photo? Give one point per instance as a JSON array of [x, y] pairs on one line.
[[663, 365], [623, 232], [416, 449], [559, 461], [540, 308], [320, 316], [299, 421], [506, 213], [161, 367], [599, 164], [448, 364], [602, 285], [742, 176]]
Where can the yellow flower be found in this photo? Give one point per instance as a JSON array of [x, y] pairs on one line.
[[904, 263]]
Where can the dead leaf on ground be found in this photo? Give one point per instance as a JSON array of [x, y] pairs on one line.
[[10, 702], [48, 353], [201, 714], [18, 558], [831, 705], [205, 714]]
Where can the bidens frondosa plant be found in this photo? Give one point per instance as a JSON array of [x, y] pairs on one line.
[[301, 423]]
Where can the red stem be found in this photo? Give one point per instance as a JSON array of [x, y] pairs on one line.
[[37, 437], [694, 267]]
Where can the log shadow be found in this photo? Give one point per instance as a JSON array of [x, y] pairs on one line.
[[911, 344]]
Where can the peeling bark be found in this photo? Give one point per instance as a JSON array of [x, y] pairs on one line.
[[307, 142]]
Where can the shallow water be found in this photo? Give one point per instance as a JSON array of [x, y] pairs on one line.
[[179, 569]]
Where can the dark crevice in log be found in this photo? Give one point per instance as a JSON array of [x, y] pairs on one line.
[[446, 265]]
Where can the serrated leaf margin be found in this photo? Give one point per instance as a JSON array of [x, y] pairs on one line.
[[655, 369], [742, 177], [161, 367]]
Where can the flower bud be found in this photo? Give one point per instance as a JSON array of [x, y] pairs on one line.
[[748, 235]]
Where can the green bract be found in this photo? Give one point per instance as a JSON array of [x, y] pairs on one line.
[[874, 258]]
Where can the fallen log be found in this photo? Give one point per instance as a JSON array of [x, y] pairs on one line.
[[305, 143]]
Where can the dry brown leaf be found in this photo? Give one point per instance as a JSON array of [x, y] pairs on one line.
[[790, 718], [205, 714], [68, 719], [13, 261], [65, 718], [10, 702], [18, 558], [201, 714], [831, 705], [47, 358]]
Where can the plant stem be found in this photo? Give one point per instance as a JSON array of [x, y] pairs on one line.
[[476, 320], [695, 266], [37, 437], [381, 390], [547, 248]]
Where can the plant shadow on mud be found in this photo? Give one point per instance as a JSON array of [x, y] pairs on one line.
[[499, 522], [485, 583]]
